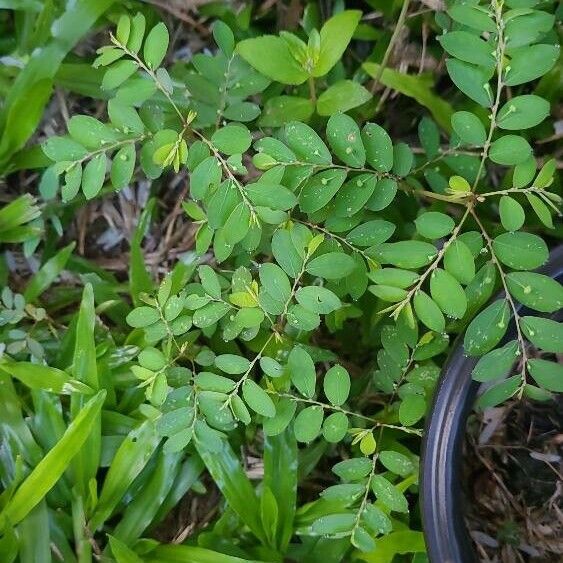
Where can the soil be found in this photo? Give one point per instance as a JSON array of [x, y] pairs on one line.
[[513, 475]]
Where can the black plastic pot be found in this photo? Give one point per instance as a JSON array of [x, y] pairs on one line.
[[445, 532]]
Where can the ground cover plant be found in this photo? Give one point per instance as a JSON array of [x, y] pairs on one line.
[[238, 247]]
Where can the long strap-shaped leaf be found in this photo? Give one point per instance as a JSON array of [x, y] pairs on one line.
[[192, 554], [50, 469], [31, 90], [229, 476]]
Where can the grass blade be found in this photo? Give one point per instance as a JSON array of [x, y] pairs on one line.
[[229, 476], [280, 476], [129, 460], [48, 273], [49, 470]]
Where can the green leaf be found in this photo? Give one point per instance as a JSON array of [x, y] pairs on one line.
[[31, 88], [210, 314], [548, 375], [472, 80], [521, 251], [280, 460], [336, 385], [94, 175], [271, 367], [279, 65], [487, 328], [228, 474], [156, 45], [524, 172], [129, 460], [545, 334], [388, 494], [257, 399], [523, 112], [418, 87], [475, 17], [280, 110], [434, 225], [396, 462], [47, 274], [403, 159], [541, 210], [411, 409], [510, 150], [320, 189], [331, 266], [275, 281], [123, 166], [409, 254], [342, 96], [394, 277], [36, 376], [274, 196], [512, 214], [136, 33], [384, 194], [334, 524], [285, 253], [209, 281], [121, 552], [307, 425], [531, 62], [468, 128], [496, 364], [224, 38], [468, 47], [353, 469], [376, 520], [459, 262], [362, 540], [371, 233], [448, 293], [242, 111], [302, 371], [335, 427], [285, 409], [306, 144], [51, 468], [378, 146], [205, 174], [232, 139], [90, 132], [237, 224], [428, 312], [429, 136], [318, 299], [118, 73], [354, 195], [335, 35], [499, 393], [536, 291], [232, 364], [344, 138], [143, 316]]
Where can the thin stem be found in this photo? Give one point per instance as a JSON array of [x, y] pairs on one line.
[[336, 237], [150, 72], [391, 46], [375, 423], [499, 54], [396, 309], [247, 372], [312, 90], [512, 304]]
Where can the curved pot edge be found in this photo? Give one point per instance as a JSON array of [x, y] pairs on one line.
[[445, 533]]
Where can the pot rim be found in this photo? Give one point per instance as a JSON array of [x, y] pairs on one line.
[[445, 533]]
